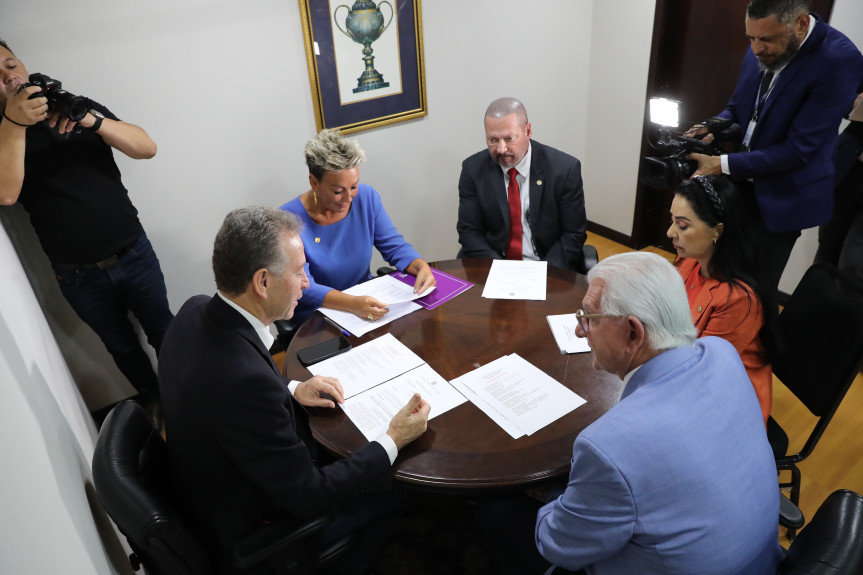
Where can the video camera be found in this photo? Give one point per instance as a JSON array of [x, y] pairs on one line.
[[59, 100], [673, 167]]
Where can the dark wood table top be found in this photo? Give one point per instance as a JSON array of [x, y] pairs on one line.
[[464, 449]]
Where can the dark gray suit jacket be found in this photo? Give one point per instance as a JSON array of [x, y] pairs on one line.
[[556, 214], [239, 445]]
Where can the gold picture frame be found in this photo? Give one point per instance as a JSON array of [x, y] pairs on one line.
[[342, 40]]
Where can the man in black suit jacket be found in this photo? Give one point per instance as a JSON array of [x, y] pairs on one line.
[[239, 444], [553, 221]]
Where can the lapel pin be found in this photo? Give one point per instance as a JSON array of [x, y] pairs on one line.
[[539, 182]]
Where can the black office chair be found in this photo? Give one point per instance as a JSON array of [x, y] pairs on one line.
[[130, 472], [589, 258], [285, 330], [819, 353], [832, 543]]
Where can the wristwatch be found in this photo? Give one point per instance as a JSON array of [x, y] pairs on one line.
[[99, 117]]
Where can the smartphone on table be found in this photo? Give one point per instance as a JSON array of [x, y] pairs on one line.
[[323, 350]]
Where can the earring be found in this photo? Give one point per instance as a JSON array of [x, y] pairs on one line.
[[714, 241], [315, 196]]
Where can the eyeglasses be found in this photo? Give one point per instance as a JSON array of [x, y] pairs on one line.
[[583, 318]]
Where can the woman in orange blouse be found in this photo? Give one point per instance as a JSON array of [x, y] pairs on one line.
[[715, 258]]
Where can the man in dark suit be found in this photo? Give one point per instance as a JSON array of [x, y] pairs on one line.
[[795, 84], [239, 444], [520, 199]]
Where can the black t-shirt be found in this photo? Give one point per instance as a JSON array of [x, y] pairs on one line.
[[75, 196]]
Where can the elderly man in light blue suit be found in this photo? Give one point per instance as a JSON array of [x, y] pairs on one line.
[[678, 477]]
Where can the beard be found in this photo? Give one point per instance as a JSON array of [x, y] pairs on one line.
[[782, 60]]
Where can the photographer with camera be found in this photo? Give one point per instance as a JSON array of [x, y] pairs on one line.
[[796, 82], [56, 159]]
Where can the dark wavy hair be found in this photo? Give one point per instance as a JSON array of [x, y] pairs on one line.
[[786, 11], [715, 200]]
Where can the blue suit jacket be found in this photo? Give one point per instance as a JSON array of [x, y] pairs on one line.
[[239, 446], [558, 223], [677, 478], [791, 151]]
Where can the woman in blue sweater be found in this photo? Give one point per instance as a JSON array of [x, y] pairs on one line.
[[343, 221]]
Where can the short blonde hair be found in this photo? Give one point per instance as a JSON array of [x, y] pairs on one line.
[[330, 152]]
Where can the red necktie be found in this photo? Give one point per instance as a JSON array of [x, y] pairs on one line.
[[513, 251]]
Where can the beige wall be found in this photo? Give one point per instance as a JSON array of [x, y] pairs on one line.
[[51, 521]]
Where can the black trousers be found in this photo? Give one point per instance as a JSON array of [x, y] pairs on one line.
[[507, 525], [772, 249]]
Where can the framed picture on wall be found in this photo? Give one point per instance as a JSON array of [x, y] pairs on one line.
[[365, 62]]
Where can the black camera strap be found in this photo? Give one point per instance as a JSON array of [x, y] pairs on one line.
[[5, 117]]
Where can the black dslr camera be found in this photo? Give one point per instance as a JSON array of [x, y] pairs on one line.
[[59, 100], [670, 169]]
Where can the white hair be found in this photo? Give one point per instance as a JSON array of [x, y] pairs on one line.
[[648, 287]]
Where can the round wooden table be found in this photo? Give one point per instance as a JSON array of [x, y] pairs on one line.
[[463, 448]]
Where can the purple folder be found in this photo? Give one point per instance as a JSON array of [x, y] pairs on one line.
[[447, 287]]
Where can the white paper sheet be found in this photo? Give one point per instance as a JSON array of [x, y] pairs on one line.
[[397, 295], [563, 329], [372, 410], [369, 364], [516, 279], [484, 406], [520, 392]]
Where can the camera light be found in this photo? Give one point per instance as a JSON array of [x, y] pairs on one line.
[[664, 112]]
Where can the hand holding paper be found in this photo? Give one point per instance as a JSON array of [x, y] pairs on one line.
[[425, 281]]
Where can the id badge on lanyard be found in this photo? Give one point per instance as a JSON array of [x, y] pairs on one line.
[[749, 129], [767, 83]]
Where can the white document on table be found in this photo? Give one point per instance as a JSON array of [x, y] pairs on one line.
[[397, 295], [372, 410], [485, 407], [563, 329], [367, 365], [520, 392], [516, 279]]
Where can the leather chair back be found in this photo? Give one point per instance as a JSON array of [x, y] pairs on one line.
[[832, 543], [131, 477]]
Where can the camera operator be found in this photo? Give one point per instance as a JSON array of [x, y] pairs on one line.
[[63, 172], [796, 82]]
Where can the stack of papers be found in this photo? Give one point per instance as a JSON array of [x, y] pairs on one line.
[[397, 295], [563, 329], [517, 395], [379, 377], [516, 279]]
